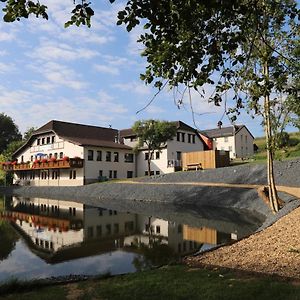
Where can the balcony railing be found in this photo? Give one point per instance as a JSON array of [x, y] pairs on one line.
[[173, 163], [59, 164]]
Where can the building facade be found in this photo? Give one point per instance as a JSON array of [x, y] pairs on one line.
[[236, 139], [168, 158], [67, 154]]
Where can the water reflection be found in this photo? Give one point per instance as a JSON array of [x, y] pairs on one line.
[[77, 239]]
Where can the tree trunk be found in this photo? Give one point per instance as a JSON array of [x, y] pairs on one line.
[[272, 192]]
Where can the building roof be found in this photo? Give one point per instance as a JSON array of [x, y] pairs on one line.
[[83, 135], [179, 125], [223, 131]]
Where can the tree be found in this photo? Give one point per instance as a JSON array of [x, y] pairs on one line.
[[251, 46], [9, 132], [153, 134]]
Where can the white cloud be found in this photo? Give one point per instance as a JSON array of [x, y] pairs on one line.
[[3, 52], [5, 36], [6, 68], [58, 75], [133, 87], [54, 51], [106, 69]]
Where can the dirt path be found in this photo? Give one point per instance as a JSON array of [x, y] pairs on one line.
[[294, 191], [275, 250]]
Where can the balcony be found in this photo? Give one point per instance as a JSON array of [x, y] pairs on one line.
[[174, 163], [59, 164]]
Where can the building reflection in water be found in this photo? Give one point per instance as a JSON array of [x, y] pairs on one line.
[[59, 230]]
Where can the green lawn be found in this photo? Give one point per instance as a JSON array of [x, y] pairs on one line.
[[291, 151], [172, 282]]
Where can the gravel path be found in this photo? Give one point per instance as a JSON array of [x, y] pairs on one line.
[[275, 250]]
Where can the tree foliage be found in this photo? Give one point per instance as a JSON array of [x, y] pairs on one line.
[[9, 132], [153, 134]]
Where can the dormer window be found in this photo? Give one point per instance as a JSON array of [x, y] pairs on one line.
[[38, 142]]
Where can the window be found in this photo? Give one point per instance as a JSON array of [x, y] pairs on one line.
[[157, 172], [22, 159], [230, 148], [100, 173], [72, 174], [194, 139], [146, 173], [152, 173], [115, 174], [128, 157], [226, 139], [108, 229], [110, 174], [53, 139], [189, 138], [179, 228], [90, 232], [178, 155], [116, 228], [61, 155], [48, 139], [99, 156], [38, 142], [90, 155], [31, 158], [129, 226], [116, 156], [178, 136], [55, 155], [99, 230], [108, 156], [43, 141], [158, 229], [183, 137], [157, 155], [100, 212], [146, 156], [129, 174]]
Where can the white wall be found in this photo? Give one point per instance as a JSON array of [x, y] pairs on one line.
[[168, 154], [225, 143], [92, 167]]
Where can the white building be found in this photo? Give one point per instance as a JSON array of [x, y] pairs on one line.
[[168, 158], [61, 153], [236, 139]]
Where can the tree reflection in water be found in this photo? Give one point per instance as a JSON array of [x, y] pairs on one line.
[[8, 237]]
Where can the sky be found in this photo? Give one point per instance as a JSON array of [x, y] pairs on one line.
[[87, 75]]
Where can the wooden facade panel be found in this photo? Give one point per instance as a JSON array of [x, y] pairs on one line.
[[200, 235], [205, 159]]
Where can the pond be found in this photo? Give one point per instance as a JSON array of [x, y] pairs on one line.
[[41, 238]]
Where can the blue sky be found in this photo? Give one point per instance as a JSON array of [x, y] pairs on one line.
[[88, 76]]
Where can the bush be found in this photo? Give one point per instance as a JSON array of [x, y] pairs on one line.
[[282, 139]]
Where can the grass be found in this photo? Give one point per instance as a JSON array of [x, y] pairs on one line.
[[291, 151], [172, 282]]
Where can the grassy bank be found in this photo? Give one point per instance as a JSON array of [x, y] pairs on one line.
[[292, 150], [176, 282]]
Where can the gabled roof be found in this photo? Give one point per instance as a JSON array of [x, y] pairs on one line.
[[83, 135], [179, 125], [224, 131]]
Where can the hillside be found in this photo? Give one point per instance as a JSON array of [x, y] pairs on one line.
[[292, 150]]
